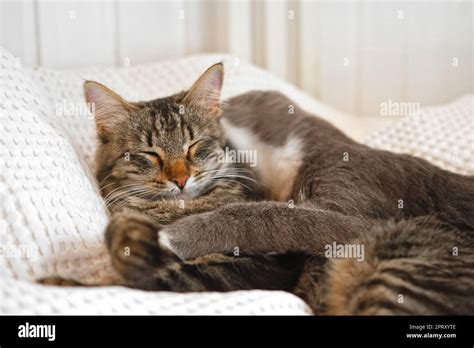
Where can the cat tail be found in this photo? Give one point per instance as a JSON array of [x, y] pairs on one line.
[[409, 267]]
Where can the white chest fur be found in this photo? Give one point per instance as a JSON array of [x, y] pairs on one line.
[[276, 166]]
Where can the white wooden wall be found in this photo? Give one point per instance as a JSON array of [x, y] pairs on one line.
[[352, 55]]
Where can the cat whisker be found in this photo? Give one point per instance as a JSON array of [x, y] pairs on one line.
[[123, 186], [122, 190], [137, 193], [235, 181], [237, 176], [104, 179]]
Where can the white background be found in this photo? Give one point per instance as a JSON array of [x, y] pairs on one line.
[[352, 55]]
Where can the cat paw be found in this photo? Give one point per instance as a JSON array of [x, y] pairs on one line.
[[134, 248]]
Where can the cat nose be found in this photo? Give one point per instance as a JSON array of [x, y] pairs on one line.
[[181, 181]]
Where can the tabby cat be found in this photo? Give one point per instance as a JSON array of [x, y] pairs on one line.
[[183, 219]]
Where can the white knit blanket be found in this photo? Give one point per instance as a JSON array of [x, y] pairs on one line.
[[52, 217]]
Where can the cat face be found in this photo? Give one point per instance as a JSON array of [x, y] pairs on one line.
[[161, 149]]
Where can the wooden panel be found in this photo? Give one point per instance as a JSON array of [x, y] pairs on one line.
[[150, 31], [440, 59], [206, 26], [17, 30], [258, 33], [240, 29], [382, 55], [328, 54], [276, 39], [337, 51], [219, 19], [310, 47], [351, 55], [196, 27], [293, 72], [76, 33]]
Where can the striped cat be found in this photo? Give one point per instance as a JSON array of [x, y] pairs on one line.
[[186, 218]]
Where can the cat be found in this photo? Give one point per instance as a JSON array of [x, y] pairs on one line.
[[184, 220]]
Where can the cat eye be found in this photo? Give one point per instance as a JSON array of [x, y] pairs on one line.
[[191, 149], [153, 157], [193, 144]]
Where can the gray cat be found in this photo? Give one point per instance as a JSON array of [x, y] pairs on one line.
[[348, 228]]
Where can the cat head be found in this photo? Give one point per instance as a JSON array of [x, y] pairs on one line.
[[160, 149]]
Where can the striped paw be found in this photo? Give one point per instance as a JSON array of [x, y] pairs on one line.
[[134, 249]]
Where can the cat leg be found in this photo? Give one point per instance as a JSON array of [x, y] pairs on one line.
[[142, 263], [132, 239], [217, 272], [140, 248], [259, 227]]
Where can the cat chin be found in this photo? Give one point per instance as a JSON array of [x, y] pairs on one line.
[[178, 196], [187, 195], [192, 192]]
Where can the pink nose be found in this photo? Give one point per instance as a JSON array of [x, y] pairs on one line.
[[181, 181]]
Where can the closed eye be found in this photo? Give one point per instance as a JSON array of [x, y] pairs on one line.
[[194, 144], [153, 157], [191, 149]]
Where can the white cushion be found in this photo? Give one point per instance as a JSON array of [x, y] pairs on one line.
[[443, 135]]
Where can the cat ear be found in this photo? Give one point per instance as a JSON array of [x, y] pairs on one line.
[[108, 108], [206, 91]]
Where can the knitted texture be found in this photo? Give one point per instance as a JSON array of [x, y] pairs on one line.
[[443, 135], [52, 216]]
